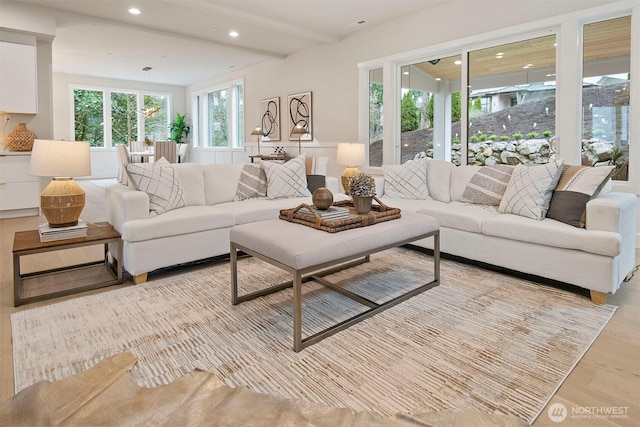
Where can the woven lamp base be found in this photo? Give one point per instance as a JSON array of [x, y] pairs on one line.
[[62, 202], [346, 176]]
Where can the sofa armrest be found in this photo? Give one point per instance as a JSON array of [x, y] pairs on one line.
[[125, 204], [612, 212], [616, 212], [333, 184]]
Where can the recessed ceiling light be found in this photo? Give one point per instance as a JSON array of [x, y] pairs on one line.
[[406, 73], [233, 34], [134, 11], [438, 79], [457, 62]]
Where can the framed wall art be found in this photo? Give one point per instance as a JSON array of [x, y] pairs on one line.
[[270, 118], [299, 105]]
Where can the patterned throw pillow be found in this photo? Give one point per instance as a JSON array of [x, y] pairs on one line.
[[530, 189], [407, 181], [287, 179], [252, 183], [160, 182], [316, 165], [577, 185], [488, 185]]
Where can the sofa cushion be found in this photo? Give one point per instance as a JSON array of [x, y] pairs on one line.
[[530, 189], [487, 185], [252, 183], [186, 220], [253, 210], [461, 216], [550, 232], [160, 182], [192, 178], [286, 180], [439, 179], [406, 181], [220, 181], [460, 177], [577, 185]]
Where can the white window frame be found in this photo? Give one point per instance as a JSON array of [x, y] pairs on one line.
[[106, 109], [199, 106], [568, 29]]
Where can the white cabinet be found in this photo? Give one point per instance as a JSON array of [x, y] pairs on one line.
[[19, 191], [18, 85]]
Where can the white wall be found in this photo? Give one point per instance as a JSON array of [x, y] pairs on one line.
[[103, 161]]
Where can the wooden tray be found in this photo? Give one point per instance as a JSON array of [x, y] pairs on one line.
[[379, 213]]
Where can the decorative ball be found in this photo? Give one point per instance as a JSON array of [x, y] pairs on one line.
[[322, 198]]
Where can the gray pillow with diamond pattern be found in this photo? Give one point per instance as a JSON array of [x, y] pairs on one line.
[[285, 180], [161, 183], [530, 189], [406, 181]]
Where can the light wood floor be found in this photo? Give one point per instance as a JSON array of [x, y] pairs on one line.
[[607, 376]]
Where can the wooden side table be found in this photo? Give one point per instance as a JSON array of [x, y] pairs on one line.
[[284, 157], [46, 284]]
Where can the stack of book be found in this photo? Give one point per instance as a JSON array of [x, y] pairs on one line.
[[331, 213], [50, 234]]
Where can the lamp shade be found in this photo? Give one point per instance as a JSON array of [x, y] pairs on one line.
[[257, 131], [60, 158], [350, 154], [299, 130]]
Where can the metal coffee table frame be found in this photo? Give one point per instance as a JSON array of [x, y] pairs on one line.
[[316, 273]]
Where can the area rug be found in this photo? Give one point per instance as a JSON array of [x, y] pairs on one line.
[[105, 396], [481, 341]]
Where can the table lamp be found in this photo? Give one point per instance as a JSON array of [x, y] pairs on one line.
[[258, 131], [63, 199], [350, 155], [299, 130]]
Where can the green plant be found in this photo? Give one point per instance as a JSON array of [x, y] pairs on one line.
[[473, 138], [616, 154], [546, 133], [430, 145], [179, 129], [504, 137], [517, 135], [362, 185], [531, 135], [483, 137], [493, 137]]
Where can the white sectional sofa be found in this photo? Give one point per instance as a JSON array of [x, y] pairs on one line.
[[596, 257]]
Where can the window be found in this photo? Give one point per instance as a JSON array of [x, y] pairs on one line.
[[504, 131], [220, 119], [606, 95], [106, 117], [376, 91], [430, 109], [88, 107]]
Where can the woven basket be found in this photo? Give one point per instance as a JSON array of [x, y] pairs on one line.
[[21, 139], [379, 213]]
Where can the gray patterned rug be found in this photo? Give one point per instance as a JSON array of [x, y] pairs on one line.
[[480, 341]]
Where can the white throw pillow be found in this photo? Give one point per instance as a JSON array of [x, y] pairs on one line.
[[160, 182], [530, 189], [287, 179], [406, 181]]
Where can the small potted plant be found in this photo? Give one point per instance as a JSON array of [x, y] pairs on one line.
[[362, 188], [179, 129]]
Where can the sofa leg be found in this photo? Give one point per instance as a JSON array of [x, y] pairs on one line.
[[141, 278], [598, 297]]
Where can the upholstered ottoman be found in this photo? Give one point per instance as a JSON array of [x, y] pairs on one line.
[[309, 254]]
